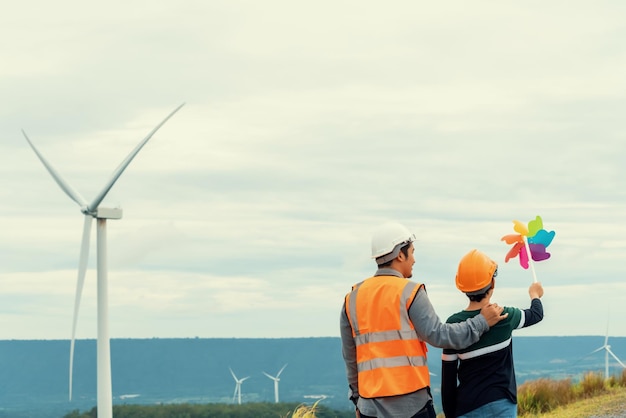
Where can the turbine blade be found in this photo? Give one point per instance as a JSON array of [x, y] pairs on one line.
[[64, 185], [245, 378], [281, 370], [597, 349], [270, 376], [574, 363], [233, 373], [82, 269], [120, 169], [615, 357]]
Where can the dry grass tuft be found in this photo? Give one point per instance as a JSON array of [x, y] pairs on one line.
[[593, 384], [305, 411], [544, 395]]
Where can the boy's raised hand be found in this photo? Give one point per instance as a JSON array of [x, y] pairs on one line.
[[535, 290]]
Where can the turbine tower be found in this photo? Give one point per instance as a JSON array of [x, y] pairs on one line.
[[237, 393], [92, 210], [276, 379], [607, 350]]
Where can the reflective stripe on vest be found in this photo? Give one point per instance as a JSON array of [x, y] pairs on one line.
[[391, 359]]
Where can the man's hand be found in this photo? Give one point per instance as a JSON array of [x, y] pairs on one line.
[[535, 290], [493, 314]]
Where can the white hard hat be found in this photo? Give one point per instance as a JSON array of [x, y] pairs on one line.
[[387, 237]]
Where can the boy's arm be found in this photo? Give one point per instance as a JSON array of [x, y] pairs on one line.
[[449, 362], [534, 314]]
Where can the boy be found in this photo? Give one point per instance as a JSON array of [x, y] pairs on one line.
[[486, 377]]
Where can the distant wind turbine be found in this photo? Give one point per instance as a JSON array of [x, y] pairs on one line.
[[237, 393], [607, 350], [92, 210], [276, 379]]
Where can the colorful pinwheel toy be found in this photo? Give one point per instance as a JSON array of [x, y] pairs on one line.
[[529, 243]]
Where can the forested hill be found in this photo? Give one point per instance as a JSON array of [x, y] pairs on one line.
[[34, 374]]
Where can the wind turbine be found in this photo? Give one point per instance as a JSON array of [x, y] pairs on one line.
[[237, 393], [92, 210], [276, 379], [607, 351]]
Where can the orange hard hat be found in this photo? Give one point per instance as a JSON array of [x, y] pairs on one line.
[[475, 272]]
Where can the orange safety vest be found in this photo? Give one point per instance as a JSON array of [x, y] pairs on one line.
[[391, 359]]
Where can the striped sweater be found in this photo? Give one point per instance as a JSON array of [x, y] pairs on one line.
[[484, 372]]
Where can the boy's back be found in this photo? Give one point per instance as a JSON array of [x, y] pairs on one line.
[[485, 370]]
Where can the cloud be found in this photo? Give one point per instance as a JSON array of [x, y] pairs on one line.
[[303, 128]]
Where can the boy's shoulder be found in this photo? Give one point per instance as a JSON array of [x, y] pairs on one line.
[[511, 310], [461, 316], [513, 317]]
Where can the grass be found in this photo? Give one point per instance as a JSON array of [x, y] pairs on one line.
[[538, 397], [610, 404]]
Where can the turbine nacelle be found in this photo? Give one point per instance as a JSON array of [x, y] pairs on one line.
[[102, 213], [108, 213]]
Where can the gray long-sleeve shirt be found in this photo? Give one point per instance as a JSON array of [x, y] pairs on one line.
[[430, 329]]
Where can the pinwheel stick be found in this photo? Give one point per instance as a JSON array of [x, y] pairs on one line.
[[530, 259]]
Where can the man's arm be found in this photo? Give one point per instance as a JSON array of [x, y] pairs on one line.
[[458, 336], [449, 364], [348, 349]]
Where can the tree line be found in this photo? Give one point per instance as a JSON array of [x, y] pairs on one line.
[[214, 410]]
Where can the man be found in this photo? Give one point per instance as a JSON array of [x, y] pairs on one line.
[[385, 324], [485, 372]]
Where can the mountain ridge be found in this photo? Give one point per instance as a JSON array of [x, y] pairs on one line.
[[34, 373]]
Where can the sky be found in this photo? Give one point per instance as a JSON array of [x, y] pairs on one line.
[[305, 125]]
